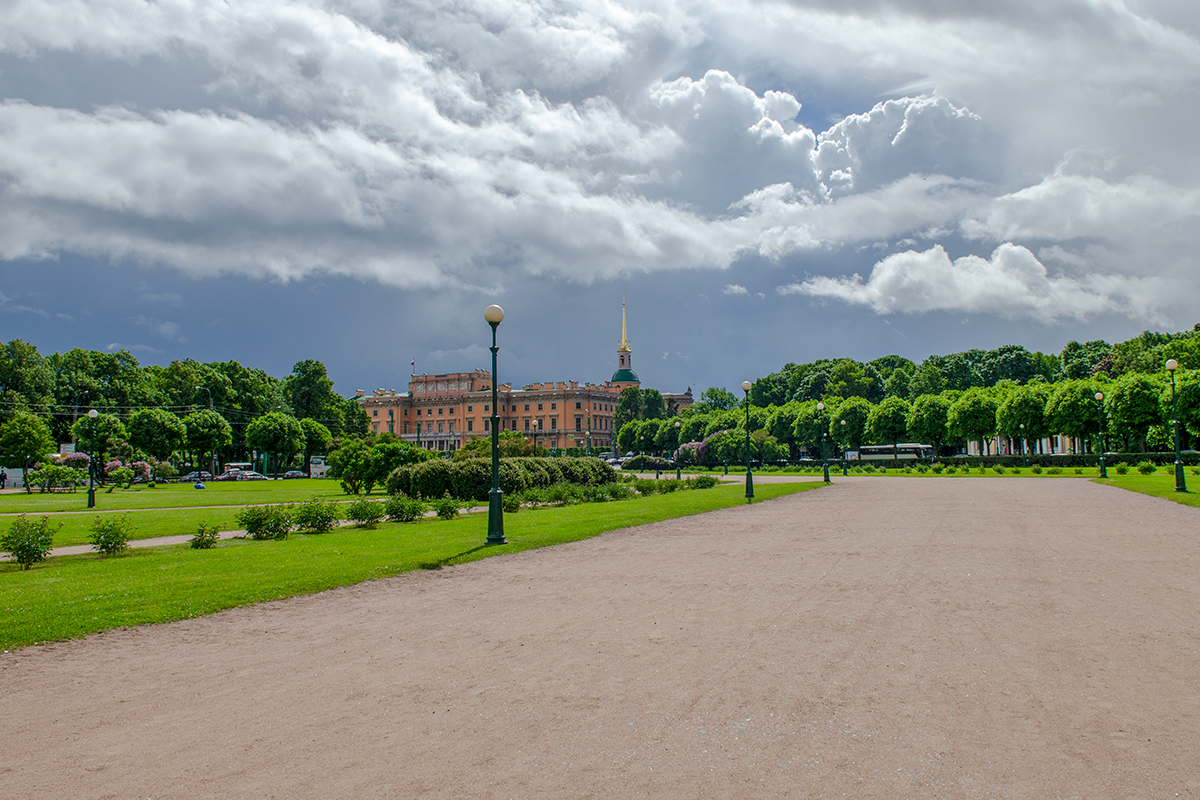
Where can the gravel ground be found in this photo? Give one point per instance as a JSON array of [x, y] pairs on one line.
[[879, 638]]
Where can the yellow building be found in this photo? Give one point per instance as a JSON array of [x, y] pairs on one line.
[[445, 411]]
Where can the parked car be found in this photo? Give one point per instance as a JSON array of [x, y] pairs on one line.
[[293, 473], [192, 477], [250, 475], [228, 475]]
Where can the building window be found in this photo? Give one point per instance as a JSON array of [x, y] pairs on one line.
[[487, 407], [374, 412], [452, 426], [514, 424], [418, 412], [578, 406], [451, 409], [470, 409], [470, 425], [375, 426], [553, 406], [539, 407], [441, 427], [526, 424], [579, 423], [487, 424], [554, 423], [441, 411], [527, 406]]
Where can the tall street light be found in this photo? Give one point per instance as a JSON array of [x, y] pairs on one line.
[[494, 315], [678, 476], [749, 475], [824, 440], [92, 414], [1180, 485], [1100, 418], [212, 456], [842, 424], [1024, 457]]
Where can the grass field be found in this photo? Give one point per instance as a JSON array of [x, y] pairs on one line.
[[1160, 484], [173, 495], [72, 596]]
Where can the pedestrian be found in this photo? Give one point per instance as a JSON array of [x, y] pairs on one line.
[[3, 479]]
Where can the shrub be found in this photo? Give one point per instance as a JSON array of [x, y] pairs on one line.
[[1122, 468], [1054, 471], [366, 513], [511, 503], [951, 470], [119, 478], [701, 482], [1078, 471], [266, 522], [471, 478], [110, 535], [937, 469], [921, 468], [315, 515], [1147, 467], [646, 486], [29, 541], [1036, 469], [1195, 470], [403, 508], [431, 478], [205, 537], [447, 507], [1016, 470], [48, 477]]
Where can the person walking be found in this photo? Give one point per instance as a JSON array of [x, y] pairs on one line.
[[3, 479]]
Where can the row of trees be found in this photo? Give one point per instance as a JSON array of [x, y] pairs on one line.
[[1136, 411]]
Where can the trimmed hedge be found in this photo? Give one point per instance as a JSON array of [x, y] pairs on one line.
[[471, 478]]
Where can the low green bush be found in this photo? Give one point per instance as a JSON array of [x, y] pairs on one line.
[[205, 538], [447, 507], [366, 513], [402, 508], [1122, 468], [1146, 468], [28, 541], [951, 470], [1054, 471], [511, 503], [266, 522], [999, 470], [1078, 470], [315, 515], [1036, 469], [937, 469], [110, 534], [701, 482]]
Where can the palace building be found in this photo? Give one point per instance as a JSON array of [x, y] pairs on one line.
[[445, 411]]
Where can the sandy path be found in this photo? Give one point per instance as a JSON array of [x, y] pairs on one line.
[[880, 638]]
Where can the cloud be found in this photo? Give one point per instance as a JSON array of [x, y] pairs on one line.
[[1011, 284], [8, 304], [733, 288], [164, 328]]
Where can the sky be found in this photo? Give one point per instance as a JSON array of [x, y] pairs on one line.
[[760, 181]]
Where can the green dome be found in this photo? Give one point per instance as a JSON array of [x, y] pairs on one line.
[[625, 376]]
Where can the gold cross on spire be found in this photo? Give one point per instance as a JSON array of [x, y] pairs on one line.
[[623, 347]]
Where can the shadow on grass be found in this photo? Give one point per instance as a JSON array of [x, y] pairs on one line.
[[449, 560]]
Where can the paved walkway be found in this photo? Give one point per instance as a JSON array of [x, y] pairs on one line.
[[879, 638]]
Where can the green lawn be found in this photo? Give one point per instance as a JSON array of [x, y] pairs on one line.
[[73, 596], [174, 495], [1160, 484]]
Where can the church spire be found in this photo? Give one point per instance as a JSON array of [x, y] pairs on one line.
[[623, 347]]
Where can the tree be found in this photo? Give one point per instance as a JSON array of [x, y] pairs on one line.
[[719, 399], [157, 432], [652, 404], [1079, 360], [386, 455], [351, 464], [927, 419], [309, 392], [206, 432], [856, 411], [888, 422], [26, 382], [23, 439], [1187, 399], [1021, 415], [666, 438], [98, 435], [628, 436], [1071, 409], [973, 417], [1132, 404], [927, 380], [276, 433], [317, 439], [629, 407]]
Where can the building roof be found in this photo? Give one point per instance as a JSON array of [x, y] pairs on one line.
[[625, 376]]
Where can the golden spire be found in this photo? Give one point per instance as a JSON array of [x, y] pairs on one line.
[[623, 347]]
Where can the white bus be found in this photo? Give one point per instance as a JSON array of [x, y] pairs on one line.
[[877, 452], [317, 467]]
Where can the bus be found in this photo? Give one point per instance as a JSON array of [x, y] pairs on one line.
[[877, 452], [317, 467]]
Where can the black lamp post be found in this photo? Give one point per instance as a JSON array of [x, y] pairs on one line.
[[749, 475], [1100, 418], [494, 315], [678, 475], [92, 414], [1180, 484], [418, 434], [1024, 457], [824, 440], [843, 427]]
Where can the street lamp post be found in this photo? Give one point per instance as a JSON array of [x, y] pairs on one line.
[[678, 475], [494, 315], [845, 472], [749, 475], [1180, 484], [1024, 457], [418, 434], [92, 414], [1100, 419], [824, 438], [212, 457]]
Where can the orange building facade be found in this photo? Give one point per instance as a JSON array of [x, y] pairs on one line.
[[446, 411]]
